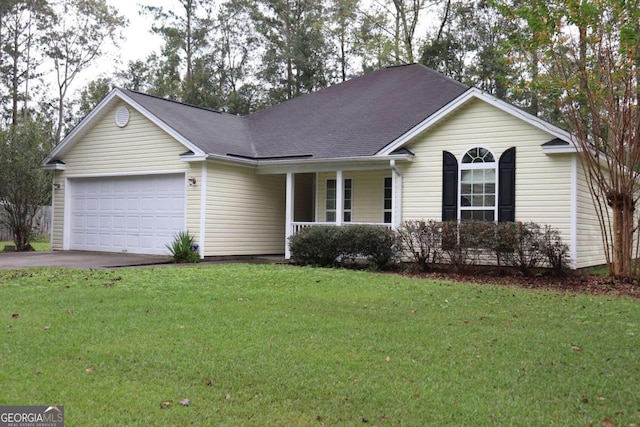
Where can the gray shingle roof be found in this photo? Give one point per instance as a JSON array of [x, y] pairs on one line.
[[209, 130], [356, 118]]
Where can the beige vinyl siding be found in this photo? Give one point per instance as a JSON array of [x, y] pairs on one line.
[[57, 221], [194, 195], [543, 183], [141, 147], [368, 194], [589, 237], [245, 212]]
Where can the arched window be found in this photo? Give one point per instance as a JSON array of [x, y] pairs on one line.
[[478, 173]]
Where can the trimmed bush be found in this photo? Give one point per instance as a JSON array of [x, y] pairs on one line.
[[328, 245], [555, 251], [184, 249], [320, 245], [375, 243], [527, 252], [505, 241], [467, 242], [513, 244], [421, 241]]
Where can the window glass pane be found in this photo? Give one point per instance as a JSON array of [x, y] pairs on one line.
[[465, 201], [485, 155], [465, 215], [347, 217], [478, 155], [490, 188], [466, 176], [330, 204], [347, 204], [477, 201], [490, 201], [490, 175], [387, 199], [465, 188]]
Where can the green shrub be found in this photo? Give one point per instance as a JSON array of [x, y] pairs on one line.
[[376, 244], [184, 249], [421, 241], [320, 245], [329, 245], [555, 251], [527, 252], [505, 241], [466, 243]]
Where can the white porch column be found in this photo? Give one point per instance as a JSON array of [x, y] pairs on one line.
[[339, 197], [396, 196], [288, 227]]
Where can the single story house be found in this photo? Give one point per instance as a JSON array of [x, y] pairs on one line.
[[400, 143]]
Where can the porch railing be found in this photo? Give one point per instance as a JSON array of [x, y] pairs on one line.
[[297, 226]]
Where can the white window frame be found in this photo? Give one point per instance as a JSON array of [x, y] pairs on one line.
[[386, 211], [328, 211], [478, 166], [348, 210]]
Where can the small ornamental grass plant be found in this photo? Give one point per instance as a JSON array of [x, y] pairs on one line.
[[184, 249]]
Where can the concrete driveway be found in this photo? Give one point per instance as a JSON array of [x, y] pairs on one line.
[[77, 259]]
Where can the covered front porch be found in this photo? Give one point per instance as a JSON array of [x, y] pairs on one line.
[[342, 196]]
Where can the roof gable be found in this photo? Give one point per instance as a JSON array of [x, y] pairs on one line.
[[468, 96], [200, 130]]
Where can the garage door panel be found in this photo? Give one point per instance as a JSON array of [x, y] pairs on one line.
[[138, 214], [105, 222]]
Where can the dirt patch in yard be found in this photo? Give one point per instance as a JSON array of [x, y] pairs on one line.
[[575, 283]]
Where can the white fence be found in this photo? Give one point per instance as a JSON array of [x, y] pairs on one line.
[[42, 224]]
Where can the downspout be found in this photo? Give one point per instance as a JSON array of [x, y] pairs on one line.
[[396, 201]]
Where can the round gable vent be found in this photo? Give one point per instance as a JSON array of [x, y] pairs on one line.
[[122, 116]]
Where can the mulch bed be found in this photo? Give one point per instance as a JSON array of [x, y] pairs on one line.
[[574, 283]]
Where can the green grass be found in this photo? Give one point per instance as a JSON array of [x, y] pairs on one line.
[[40, 245], [256, 345]]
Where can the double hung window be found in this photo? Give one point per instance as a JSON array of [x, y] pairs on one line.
[[347, 200], [478, 199]]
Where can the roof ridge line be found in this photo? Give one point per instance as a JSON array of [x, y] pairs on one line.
[[177, 102]]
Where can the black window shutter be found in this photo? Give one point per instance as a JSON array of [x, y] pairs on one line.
[[507, 186], [449, 187]]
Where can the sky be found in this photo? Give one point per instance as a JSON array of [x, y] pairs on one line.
[[139, 42]]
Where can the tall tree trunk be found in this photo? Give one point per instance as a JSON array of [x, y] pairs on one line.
[[15, 80]]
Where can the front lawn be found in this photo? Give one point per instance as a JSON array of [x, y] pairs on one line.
[[257, 345]]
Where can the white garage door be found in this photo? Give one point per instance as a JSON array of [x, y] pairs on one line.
[[136, 214]]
